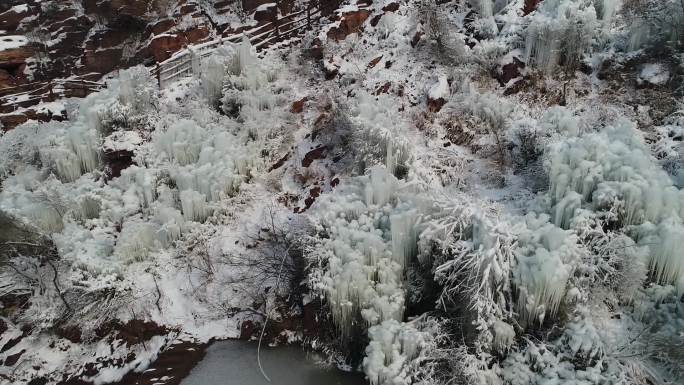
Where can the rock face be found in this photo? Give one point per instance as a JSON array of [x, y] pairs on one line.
[[530, 6], [11, 59], [96, 36], [350, 22]]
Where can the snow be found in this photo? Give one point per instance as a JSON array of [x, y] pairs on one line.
[[20, 8], [542, 240], [439, 90], [653, 73], [12, 41]]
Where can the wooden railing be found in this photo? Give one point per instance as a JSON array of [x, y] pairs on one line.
[[290, 26], [30, 94]]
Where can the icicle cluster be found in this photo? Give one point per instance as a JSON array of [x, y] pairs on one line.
[[559, 33], [392, 346], [614, 170], [381, 139], [545, 258], [485, 8], [371, 238]]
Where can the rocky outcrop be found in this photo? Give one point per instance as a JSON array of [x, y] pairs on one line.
[[350, 22], [10, 19], [530, 6], [11, 59]]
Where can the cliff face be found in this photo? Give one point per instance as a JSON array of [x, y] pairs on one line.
[[80, 37]]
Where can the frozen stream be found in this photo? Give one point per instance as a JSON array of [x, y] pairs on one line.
[[235, 363]]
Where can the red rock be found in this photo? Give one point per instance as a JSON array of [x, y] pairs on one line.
[[117, 161], [313, 194], [250, 5], [162, 47], [14, 57], [279, 163], [9, 122], [71, 333], [160, 27], [510, 71], [196, 35], [350, 22], [375, 20], [530, 6], [266, 14], [298, 106], [391, 7], [6, 80], [374, 62], [136, 8], [383, 89], [247, 330], [10, 20], [434, 105], [317, 153], [416, 38], [101, 61], [11, 360]]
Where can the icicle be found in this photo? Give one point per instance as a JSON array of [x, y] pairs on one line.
[[84, 145], [89, 208], [171, 223], [68, 165], [244, 58], [404, 236], [46, 217], [485, 8], [182, 142], [546, 256], [667, 258], [565, 209], [609, 9], [194, 206], [639, 35], [504, 335], [381, 186], [136, 241]]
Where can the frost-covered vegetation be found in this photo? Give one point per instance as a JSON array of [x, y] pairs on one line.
[[479, 193]]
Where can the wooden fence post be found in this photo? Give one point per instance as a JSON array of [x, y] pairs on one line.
[[158, 75], [52, 95], [275, 23]]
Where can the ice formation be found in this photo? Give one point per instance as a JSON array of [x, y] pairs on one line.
[[485, 8], [404, 236], [194, 205], [603, 167], [181, 142], [370, 242], [504, 335], [615, 169], [136, 241], [666, 260], [559, 33], [546, 257], [392, 346], [381, 187]]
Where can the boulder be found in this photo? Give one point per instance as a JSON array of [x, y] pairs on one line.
[[510, 71], [12, 58], [162, 47], [10, 20], [6, 80], [102, 60], [530, 6], [350, 22]]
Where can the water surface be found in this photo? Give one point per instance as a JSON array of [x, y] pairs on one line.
[[235, 363]]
